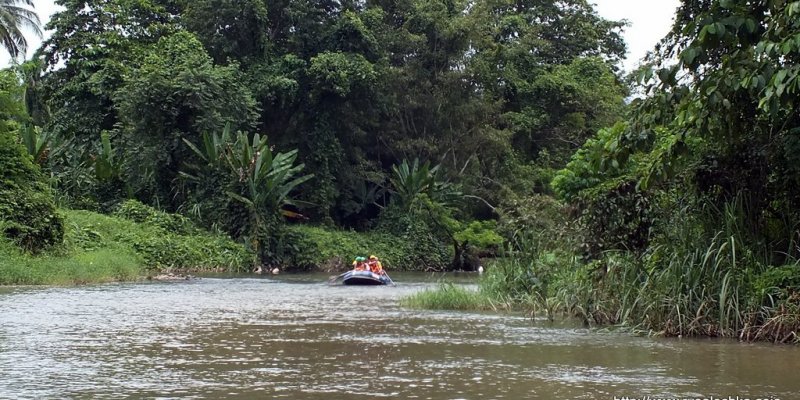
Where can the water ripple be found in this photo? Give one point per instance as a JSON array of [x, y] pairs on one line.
[[242, 338]]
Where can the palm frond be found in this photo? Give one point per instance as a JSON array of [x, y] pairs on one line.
[[14, 17]]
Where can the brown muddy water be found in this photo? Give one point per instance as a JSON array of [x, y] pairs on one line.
[[295, 337]]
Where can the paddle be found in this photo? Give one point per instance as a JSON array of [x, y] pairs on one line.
[[391, 282], [336, 278]]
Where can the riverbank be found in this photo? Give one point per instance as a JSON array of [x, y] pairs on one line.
[[751, 305], [101, 248], [139, 242]]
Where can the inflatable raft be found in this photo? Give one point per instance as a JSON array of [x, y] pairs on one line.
[[365, 278]]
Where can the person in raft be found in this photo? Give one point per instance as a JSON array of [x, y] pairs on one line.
[[359, 264], [375, 265]]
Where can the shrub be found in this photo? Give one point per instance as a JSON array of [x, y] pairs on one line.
[[482, 235], [310, 247], [138, 212], [540, 217], [27, 209], [777, 285], [411, 232], [159, 248], [614, 216]]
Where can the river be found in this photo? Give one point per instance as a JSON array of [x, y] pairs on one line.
[[295, 337]]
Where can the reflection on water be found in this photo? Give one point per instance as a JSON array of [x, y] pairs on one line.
[[295, 337]]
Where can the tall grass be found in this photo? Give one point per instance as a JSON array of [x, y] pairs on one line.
[[102, 265], [694, 285], [101, 248], [698, 292], [449, 297], [519, 280], [705, 274]]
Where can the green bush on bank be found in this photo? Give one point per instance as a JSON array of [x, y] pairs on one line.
[[27, 209], [309, 247], [160, 249], [101, 248], [137, 212], [422, 240]]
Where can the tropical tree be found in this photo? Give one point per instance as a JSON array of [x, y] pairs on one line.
[[245, 39], [552, 64], [411, 181], [423, 193], [257, 177], [36, 142], [76, 73], [723, 118], [28, 215], [267, 178], [185, 94], [15, 16]]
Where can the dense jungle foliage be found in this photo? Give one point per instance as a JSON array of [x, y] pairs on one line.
[[443, 134], [237, 114]]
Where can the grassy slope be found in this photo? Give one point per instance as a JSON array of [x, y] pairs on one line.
[[68, 267], [101, 248]]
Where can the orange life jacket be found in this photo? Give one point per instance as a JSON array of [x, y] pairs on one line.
[[375, 266]]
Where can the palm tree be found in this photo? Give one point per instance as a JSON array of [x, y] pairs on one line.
[[14, 16], [261, 178]]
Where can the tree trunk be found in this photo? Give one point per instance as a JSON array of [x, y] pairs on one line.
[[464, 259]]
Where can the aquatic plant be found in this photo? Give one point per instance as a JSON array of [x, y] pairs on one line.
[[448, 296]]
